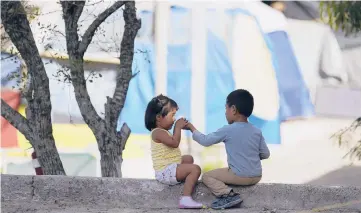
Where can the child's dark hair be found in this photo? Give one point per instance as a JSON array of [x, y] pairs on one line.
[[242, 100], [160, 105]]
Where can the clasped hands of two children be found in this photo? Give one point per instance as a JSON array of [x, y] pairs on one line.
[[183, 123]]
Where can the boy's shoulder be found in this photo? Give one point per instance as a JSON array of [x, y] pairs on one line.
[[256, 129], [247, 127]]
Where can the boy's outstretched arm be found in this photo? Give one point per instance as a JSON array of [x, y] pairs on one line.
[[264, 152], [210, 139]]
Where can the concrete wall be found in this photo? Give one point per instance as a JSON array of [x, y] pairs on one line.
[[44, 191]]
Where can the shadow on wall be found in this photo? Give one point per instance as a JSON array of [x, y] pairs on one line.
[[345, 176]]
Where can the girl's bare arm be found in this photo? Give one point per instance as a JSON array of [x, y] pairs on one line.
[[161, 136]]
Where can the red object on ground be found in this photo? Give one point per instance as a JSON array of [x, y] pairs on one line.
[[36, 165], [9, 138]]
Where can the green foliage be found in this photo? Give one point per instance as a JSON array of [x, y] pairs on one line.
[[347, 136], [31, 11], [345, 15]]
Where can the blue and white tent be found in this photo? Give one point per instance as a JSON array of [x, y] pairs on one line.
[[246, 47]]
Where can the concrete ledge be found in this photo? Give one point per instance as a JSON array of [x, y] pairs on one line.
[[146, 194]]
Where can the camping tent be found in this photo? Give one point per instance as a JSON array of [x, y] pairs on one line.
[[303, 15], [321, 59], [294, 94], [330, 62]]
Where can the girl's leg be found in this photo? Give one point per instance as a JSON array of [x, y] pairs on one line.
[[190, 173], [187, 159]]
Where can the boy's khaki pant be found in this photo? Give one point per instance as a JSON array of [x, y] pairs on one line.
[[217, 179]]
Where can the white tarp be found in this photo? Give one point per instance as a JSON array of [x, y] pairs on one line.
[[251, 49], [352, 59], [269, 19], [317, 50]]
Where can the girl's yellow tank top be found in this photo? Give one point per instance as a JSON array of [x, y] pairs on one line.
[[163, 155]]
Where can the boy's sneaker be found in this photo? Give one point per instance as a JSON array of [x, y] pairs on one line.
[[227, 201]]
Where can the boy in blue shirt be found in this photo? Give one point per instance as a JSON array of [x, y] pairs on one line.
[[245, 147]]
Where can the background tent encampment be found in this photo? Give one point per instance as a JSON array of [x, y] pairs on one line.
[[248, 34], [307, 13], [231, 60], [330, 62]]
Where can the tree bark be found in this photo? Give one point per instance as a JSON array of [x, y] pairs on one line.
[[38, 127], [71, 13], [111, 151], [17, 120], [110, 143], [114, 105]]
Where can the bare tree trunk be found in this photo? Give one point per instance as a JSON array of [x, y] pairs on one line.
[[114, 105], [110, 143], [37, 128], [111, 150]]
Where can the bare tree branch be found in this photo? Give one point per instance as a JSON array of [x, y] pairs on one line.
[[71, 13], [73, 8], [38, 128], [17, 27], [89, 33], [76, 61], [132, 25], [16, 119], [115, 105]]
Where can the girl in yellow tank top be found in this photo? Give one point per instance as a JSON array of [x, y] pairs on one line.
[[169, 165]]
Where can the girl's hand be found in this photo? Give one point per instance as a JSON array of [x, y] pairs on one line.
[[189, 126], [181, 123]]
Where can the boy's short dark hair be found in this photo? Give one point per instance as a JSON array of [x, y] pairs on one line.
[[242, 100], [160, 105]]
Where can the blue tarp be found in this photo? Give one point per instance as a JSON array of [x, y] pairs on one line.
[[141, 89], [219, 82], [178, 61], [179, 77], [294, 96]]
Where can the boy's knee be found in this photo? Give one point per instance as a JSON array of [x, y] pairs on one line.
[[205, 177]]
